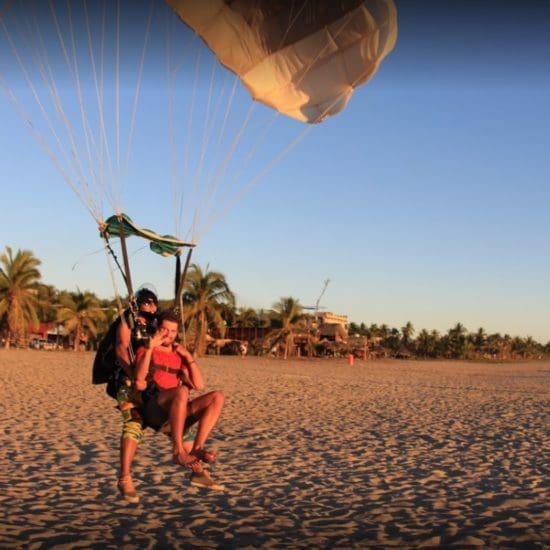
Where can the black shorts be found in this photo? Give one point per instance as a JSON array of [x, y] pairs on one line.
[[155, 416]]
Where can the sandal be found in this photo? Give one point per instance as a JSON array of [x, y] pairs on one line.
[[205, 456], [205, 481], [189, 461], [127, 490]]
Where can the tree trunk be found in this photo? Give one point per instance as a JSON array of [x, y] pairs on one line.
[[76, 338]]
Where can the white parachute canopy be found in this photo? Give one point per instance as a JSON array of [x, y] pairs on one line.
[[302, 58]]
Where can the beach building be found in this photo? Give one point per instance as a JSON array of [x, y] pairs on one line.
[[47, 336], [329, 318], [332, 326]]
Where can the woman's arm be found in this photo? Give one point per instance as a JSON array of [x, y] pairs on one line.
[[143, 362], [123, 339]]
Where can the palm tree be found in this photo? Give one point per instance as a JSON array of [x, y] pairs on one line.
[[249, 317], [392, 340], [47, 302], [426, 344], [81, 314], [406, 335], [229, 314], [19, 280], [287, 315], [205, 295], [479, 339], [456, 341]]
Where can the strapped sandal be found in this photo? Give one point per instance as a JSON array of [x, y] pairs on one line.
[[188, 461], [205, 481], [205, 456]]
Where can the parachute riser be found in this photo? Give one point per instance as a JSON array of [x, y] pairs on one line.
[[129, 286], [179, 291], [126, 276]]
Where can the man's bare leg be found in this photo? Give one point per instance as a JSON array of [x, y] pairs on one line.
[[207, 408], [175, 402]]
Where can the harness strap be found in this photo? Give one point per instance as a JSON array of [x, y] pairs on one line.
[[162, 368]]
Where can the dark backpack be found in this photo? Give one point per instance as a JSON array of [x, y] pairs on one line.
[[106, 367]]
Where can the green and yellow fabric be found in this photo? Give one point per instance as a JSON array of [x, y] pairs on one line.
[[166, 245]]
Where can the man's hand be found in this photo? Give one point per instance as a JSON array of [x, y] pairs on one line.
[[184, 353], [157, 338]]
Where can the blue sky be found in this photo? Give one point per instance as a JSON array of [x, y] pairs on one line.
[[426, 200]]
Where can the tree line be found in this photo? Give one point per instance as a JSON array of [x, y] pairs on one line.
[[210, 308]]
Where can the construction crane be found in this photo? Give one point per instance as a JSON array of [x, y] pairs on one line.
[[314, 319], [325, 284], [316, 307]]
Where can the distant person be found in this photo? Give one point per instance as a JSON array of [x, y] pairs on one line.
[[167, 372]]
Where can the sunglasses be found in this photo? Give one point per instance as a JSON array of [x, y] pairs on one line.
[[148, 301]]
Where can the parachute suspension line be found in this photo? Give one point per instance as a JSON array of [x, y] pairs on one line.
[[204, 138], [74, 72], [171, 71], [48, 80], [230, 188], [87, 130], [335, 101], [213, 184], [43, 143], [180, 197], [38, 136], [229, 197], [117, 98], [262, 173], [98, 85], [190, 123], [211, 116], [291, 21], [104, 151], [339, 96], [170, 75], [207, 129], [345, 23], [228, 105], [254, 180], [137, 93], [227, 109]]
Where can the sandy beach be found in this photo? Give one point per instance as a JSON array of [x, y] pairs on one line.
[[316, 453]]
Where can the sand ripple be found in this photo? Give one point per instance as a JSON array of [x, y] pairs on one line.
[[385, 455]]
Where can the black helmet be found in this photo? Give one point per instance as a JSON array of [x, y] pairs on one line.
[[143, 295]]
